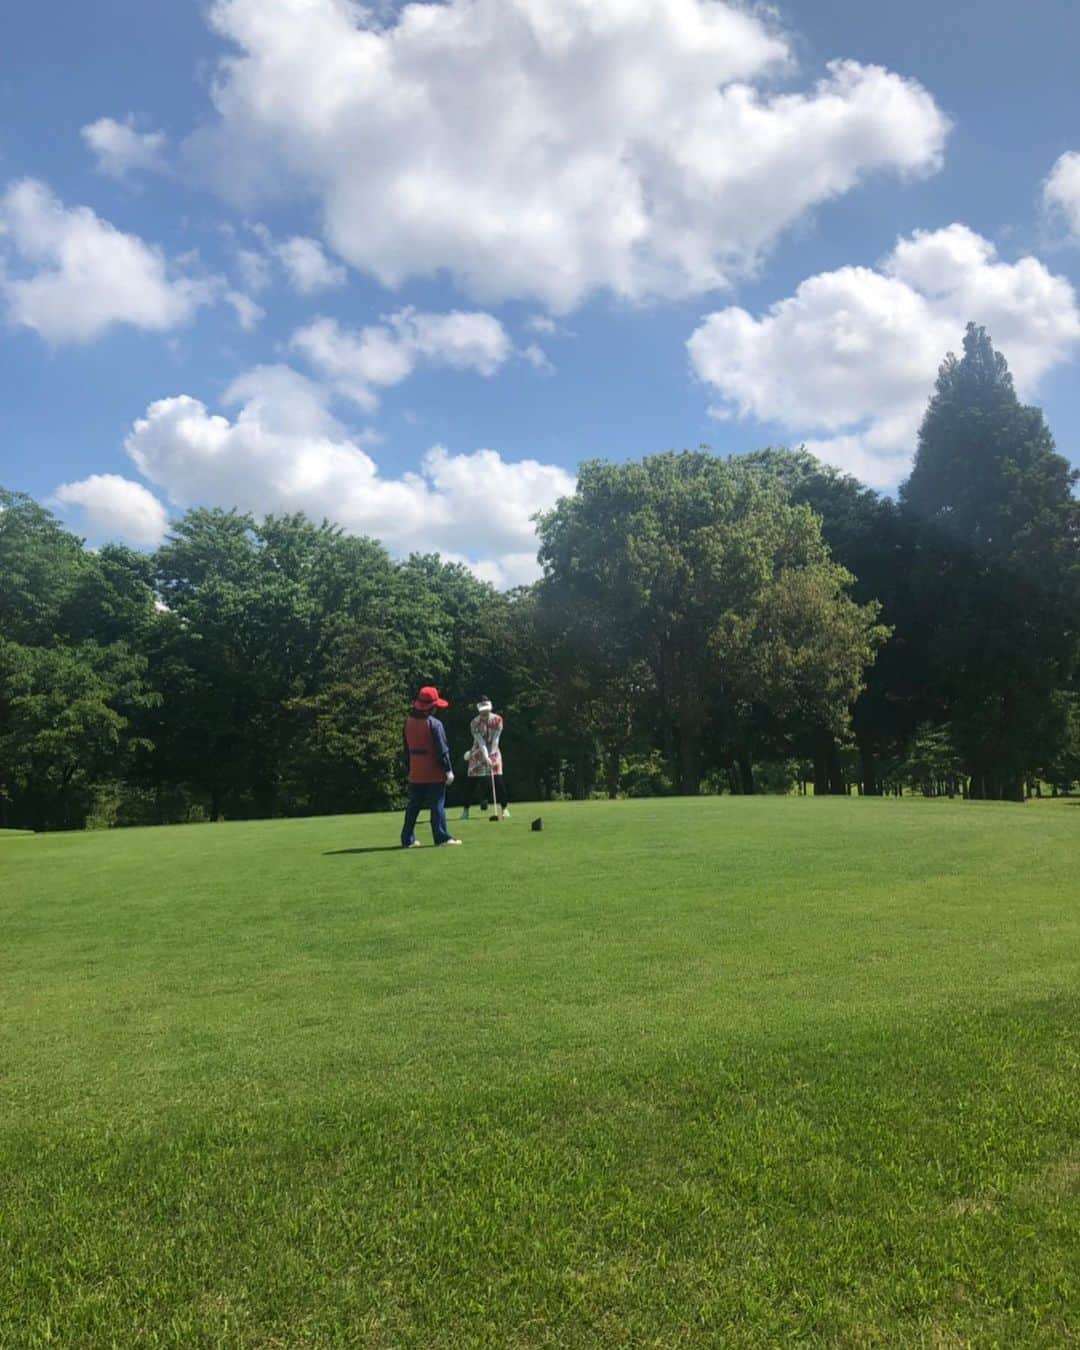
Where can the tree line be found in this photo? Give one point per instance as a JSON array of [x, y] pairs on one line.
[[755, 623]]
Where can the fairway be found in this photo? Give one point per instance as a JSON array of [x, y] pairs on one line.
[[726, 1072]]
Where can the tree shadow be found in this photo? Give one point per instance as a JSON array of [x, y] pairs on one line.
[[380, 848]]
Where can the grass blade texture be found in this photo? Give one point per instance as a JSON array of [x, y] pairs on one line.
[[735, 1072]]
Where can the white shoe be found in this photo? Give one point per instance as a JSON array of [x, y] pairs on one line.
[[506, 813], [465, 814], [415, 844], [447, 842]]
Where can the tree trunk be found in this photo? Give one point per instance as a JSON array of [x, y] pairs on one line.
[[746, 773], [834, 774], [614, 770], [821, 764], [266, 800], [868, 770], [689, 761], [580, 791]]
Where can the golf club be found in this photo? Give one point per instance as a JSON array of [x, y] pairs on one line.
[[494, 796]]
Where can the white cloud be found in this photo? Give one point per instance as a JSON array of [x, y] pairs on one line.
[[248, 313], [512, 569], [303, 260], [116, 508], [254, 269], [543, 324], [284, 451], [359, 362], [120, 149], [547, 148], [1061, 193], [850, 358], [73, 275], [537, 358], [309, 269]]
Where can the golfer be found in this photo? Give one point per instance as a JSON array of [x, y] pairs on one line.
[[427, 758], [485, 760]]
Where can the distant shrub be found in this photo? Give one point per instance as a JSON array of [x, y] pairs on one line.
[[646, 776]]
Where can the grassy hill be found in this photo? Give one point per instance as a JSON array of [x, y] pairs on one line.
[[716, 1073]]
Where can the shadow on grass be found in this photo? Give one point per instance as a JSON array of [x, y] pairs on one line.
[[381, 848]]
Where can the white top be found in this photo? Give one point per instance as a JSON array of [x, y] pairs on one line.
[[485, 755]]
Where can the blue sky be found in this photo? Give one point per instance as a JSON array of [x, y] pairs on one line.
[[408, 268]]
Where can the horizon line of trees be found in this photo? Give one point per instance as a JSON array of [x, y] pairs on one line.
[[756, 623]]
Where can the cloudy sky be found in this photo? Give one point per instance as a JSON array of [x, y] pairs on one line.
[[405, 266]]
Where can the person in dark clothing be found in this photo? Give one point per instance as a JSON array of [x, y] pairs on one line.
[[427, 761]]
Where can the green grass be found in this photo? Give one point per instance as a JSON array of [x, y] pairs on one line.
[[736, 1072]]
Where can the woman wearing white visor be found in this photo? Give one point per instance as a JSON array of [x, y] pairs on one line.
[[485, 760]]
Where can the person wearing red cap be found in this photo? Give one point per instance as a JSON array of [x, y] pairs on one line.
[[427, 758]]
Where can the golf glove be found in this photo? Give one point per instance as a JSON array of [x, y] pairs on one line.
[[449, 777]]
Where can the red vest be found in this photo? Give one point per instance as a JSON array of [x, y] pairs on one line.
[[424, 766]]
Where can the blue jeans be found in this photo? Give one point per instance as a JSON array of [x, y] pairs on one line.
[[426, 797]]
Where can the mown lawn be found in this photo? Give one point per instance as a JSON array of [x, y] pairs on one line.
[[735, 1072]]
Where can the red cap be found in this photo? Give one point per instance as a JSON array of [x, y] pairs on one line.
[[428, 698]]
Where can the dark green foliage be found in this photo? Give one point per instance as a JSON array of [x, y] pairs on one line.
[[986, 475], [997, 569], [932, 765], [702, 576], [73, 685], [703, 624], [68, 714], [875, 542], [290, 650], [41, 565], [1062, 767]]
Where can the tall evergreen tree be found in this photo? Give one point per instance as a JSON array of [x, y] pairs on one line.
[[997, 568], [986, 474]]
